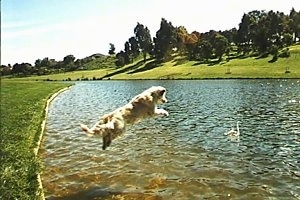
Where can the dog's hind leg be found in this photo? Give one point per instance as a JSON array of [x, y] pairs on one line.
[[113, 129], [106, 141]]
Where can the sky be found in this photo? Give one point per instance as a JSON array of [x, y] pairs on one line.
[[35, 29]]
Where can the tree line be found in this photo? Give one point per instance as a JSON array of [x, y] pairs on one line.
[[48, 66], [260, 33]]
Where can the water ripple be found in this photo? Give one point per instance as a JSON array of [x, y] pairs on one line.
[[183, 156]]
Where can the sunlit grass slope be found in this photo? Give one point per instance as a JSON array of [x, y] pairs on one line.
[[181, 68], [249, 67]]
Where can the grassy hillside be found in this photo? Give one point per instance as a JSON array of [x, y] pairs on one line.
[[100, 62], [249, 67], [181, 68]]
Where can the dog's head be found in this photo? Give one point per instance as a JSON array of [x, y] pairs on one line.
[[159, 94]]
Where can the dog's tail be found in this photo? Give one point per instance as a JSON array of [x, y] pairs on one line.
[[87, 130]]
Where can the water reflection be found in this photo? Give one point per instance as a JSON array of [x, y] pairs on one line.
[[183, 156]]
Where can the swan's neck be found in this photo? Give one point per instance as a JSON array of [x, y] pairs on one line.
[[237, 127]]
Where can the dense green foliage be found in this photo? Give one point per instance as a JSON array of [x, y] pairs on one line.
[[21, 114], [51, 66], [259, 33]]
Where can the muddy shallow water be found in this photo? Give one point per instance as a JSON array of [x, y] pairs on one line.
[[185, 155]]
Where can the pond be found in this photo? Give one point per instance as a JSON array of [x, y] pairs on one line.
[[185, 155]]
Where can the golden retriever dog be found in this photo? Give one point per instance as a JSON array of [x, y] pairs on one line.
[[144, 105]]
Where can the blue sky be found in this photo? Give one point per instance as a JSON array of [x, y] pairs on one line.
[[32, 29]]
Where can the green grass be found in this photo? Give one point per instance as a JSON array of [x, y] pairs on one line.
[[249, 67], [21, 114], [100, 63], [73, 76]]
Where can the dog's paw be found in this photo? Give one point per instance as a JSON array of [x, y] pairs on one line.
[[161, 112], [167, 113], [84, 127]]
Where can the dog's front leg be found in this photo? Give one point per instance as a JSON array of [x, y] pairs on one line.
[[160, 111]]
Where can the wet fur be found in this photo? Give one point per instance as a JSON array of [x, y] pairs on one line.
[[144, 105]]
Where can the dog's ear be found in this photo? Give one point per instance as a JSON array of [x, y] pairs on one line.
[[158, 93], [161, 92]]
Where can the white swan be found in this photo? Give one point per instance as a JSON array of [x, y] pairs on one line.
[[232, 132]]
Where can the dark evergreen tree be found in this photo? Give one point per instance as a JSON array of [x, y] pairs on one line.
[[112, 49], [134, 46], [143, 37], [165, 41]]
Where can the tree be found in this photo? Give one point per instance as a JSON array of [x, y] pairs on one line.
[[22, 69], [230, 35], [134, 46], [5, 70], [295, 24], [38, 63], [243, 38], [186, 42], [68, 62], [220, 45], [45, 62], [260, 36], [191, 43], [127, 53], [69, 59], [120, 59], [287, 39], [205, 49], [112, 49], [143, 37], [182, 34], [165, 41]]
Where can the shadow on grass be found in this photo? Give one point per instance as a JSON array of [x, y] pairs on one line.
[[208, 62], [126, 69], [212, 62], [100, 193], [150, 65], [239, 56], [180, 61], [260, 56]]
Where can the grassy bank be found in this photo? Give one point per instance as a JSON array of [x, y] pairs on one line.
[[181, 68], [241, 67], [21, 114]]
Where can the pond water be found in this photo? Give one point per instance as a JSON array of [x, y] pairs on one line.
[[185, 155]]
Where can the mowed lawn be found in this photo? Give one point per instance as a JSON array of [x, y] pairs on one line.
[[21, 113], [248, 67]]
